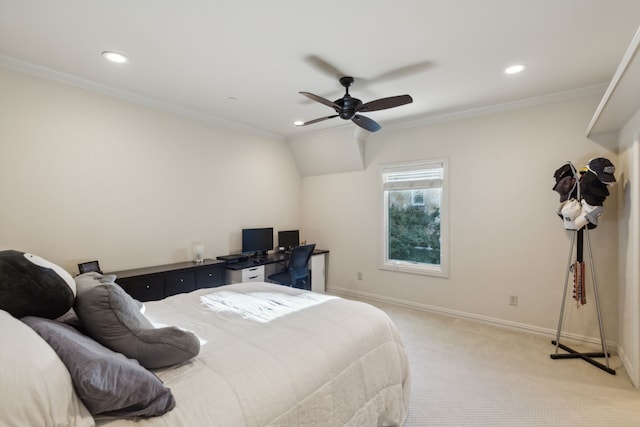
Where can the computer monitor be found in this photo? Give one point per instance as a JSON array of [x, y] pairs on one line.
[[289, 239], [257, 241]]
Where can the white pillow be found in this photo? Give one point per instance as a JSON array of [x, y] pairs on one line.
[[35, 387]]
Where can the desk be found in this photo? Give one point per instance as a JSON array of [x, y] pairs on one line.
[[254, 271]]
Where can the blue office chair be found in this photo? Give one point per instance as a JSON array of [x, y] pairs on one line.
[[296, 274]]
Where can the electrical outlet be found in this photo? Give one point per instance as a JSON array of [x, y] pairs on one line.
[[359, 275], [513, 300]]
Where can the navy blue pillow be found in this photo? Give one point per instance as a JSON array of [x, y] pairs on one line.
[[33, 286]]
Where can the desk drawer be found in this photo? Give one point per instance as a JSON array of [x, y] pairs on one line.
[[210, 277], [145, 288], [176, 283], [253, 274]]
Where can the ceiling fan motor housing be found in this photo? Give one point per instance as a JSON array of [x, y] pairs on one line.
[[348, 106]]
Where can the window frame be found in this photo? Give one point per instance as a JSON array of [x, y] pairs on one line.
[[441, 270]]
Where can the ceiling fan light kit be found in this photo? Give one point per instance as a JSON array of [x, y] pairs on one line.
[[347, 107]]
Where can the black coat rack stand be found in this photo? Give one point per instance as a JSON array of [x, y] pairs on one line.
[[571, 353]]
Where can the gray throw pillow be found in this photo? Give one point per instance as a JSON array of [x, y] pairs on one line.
[[107, 382], [113, 318]]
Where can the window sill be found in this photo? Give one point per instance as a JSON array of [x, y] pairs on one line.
[[415, 268]]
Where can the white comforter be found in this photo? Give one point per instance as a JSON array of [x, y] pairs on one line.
[[276, 356]]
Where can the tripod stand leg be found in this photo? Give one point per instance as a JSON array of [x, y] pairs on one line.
[[564, 296], [597, 301]]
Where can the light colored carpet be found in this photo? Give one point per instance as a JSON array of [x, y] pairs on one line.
[[471, 374]]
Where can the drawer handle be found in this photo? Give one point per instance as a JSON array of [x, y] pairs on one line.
[[253, 277]]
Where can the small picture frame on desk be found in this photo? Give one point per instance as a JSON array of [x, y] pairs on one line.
[[87, 267]]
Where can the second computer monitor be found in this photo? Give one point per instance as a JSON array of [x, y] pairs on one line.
[[289, 239]]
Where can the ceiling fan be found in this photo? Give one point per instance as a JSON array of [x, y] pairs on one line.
[[347, 107]]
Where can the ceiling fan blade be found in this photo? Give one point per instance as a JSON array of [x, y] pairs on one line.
[[321, 100], [325, 66], [384, 103], [310, 122], [402, 72], [366, 123]]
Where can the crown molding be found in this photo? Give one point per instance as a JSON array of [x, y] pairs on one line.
[[67, 79], [596, 90]]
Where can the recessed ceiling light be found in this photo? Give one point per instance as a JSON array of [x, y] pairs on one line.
[[298, 123], [515, 69], [116, 57]]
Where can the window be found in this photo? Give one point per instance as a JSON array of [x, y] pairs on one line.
[[415, 225]]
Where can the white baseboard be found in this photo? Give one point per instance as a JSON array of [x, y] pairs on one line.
[[551, 333]]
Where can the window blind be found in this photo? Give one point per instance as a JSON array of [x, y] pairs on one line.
[[411, 179]]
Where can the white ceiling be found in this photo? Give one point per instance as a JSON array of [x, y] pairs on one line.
[[244, 62]]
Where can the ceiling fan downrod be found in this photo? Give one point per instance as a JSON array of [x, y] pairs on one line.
[[348, 105]]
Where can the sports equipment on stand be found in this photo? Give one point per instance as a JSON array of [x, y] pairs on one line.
[[347, 107], [579, 279]]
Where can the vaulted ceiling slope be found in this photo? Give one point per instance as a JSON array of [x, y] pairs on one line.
[[243, 63]]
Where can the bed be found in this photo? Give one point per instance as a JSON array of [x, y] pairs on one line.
[[270, 355]]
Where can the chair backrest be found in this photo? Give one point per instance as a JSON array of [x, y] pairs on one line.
[[299, 259]]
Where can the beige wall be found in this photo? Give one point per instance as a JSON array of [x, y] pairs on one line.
[[85, 176], [505, 236]]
